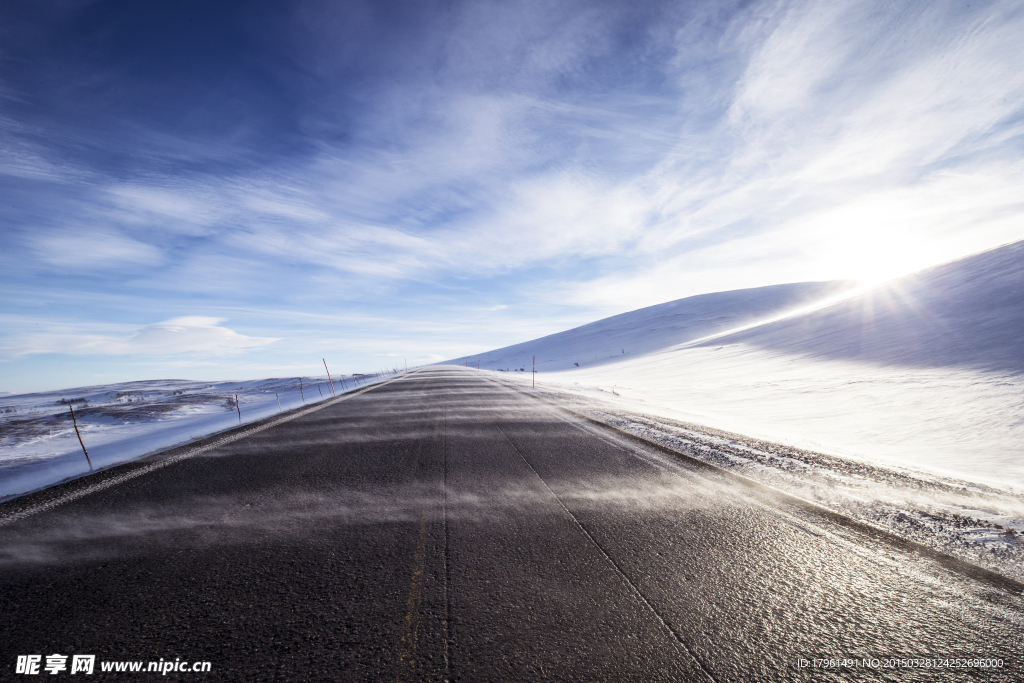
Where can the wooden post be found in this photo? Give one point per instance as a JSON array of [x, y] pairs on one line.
[[329, 377], [279, 409], [75, 420], [300, 392], [535, 372], [239, 408]]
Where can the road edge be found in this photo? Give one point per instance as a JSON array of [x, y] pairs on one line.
[[55, 495], [955, 564]]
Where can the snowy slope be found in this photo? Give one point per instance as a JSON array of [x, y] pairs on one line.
[[656, 328], [969, 313], [925, 372]]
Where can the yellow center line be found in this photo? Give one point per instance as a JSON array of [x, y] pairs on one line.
[[407, 662]]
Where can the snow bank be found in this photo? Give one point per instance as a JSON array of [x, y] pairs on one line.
[[121, 422]]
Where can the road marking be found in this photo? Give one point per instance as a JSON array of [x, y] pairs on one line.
[[869, 530], [633, 588], [446, 555], [407, 661]]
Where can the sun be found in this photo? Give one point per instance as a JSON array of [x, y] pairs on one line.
[[873, 242]]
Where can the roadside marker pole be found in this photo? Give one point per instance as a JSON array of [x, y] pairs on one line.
[[535, 372], [300, 392], [279, 409], [75, 420], [329, 377], [239, 409]]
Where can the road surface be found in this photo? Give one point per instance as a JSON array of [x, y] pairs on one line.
[[443, 526]]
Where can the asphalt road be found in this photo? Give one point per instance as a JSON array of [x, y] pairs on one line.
[[445, 527]]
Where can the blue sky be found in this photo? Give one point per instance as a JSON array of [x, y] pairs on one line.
[[235, 190]]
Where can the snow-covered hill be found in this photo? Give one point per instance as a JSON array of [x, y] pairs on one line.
[[967, 314], [924, 372], [657, 328]]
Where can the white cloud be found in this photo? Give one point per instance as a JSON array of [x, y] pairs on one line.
[[864, 141], [174, 337], [193, 334], [180, 209], [90, 249], [806, 141]]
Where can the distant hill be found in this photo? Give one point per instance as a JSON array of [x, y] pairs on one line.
[[967, 313], [658, 327]]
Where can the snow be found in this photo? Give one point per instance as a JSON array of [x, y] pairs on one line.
[[121, 422], [925, 372], [966, 314], [658, 328]]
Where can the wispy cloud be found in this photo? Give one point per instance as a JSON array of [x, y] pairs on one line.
[[565, 160], [185, 335], [90, 249]]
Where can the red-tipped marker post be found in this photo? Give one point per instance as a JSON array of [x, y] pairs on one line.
[[329, 376]]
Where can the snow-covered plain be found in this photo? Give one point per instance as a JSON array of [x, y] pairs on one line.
[[121, 422], [924, 372]]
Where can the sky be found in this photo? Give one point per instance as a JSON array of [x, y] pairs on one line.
[[226, 190]]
